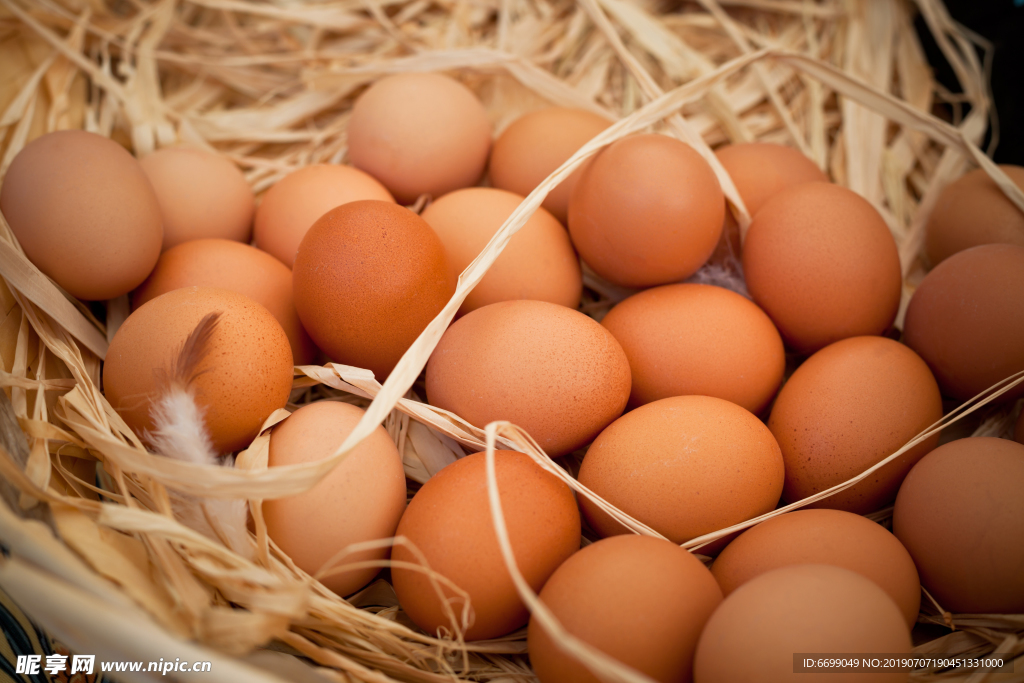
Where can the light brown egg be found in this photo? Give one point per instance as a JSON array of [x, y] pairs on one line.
[[201, 195], [685, 466], [966, 319], [646, 211], [549, 369], [803, 609], [419, 133], [823, 265], [849, 406], [960, 513], [291, 206], [698, 339], [763, 169], [369, 276], [535, 145], [972, 210], [833, 537], [449, 520], [360, 500], [539, 262], [246, 375], [640, 600], [235, 266], [84, 212]]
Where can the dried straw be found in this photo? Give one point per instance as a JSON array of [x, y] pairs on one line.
[[270, 86]]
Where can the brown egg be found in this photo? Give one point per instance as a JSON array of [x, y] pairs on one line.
[[757, 631], [247, 373], [369, 276], [762, 169], [685, 466], [549, 369], [84, 212], [360, 500], [966, 319], [640, 600], [960, 513], [235, 266], [294, 203], [972, 210], [419, 133], [539, 262], [647, 210], [698, 339], [833, 537], [201, 195], [823, 265], [1018, 433], [849, 406], [449, 521], [535, 145]]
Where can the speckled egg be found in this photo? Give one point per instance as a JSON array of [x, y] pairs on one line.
[[547, 368], [291, 206], [833, 537], [685, 466], [972, 210], [762, 169], [960, 513], [821, 262], [419, 133], [449, 521], [245, 375], [202, 195], [535, 145], [640, 600], [360, 500], [808, 608], [966, 319], [848, 407], [647, 210], [698, 339], [538, 263], [369, 276], [84, 212], [235, 266]]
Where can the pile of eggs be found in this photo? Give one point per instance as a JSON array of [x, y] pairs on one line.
[[678, 393]]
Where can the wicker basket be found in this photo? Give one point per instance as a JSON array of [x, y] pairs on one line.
[[107, 569]]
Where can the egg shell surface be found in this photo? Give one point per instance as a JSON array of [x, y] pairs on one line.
[[360, 500], [833, 537], [449, 520], [549, 369], [640, 600], [369, 276], [235, 266], [762, 169], [84, 212], [821, 262], [698, 339], [960, 513], [291, 205], [246, 374], [201, 195], [755, 632], [848, 407], [685, 466]]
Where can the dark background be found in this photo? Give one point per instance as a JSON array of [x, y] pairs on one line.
[[1001, 22]]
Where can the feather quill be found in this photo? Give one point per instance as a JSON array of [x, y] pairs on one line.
[[179, 432]]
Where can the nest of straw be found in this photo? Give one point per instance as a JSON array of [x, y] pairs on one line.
[[108, 569]]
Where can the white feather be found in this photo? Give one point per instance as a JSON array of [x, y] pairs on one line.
[[180, 433]]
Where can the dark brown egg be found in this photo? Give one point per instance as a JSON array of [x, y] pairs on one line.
[[368, 277], [966, 319], [960, 513], [846, 408]]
